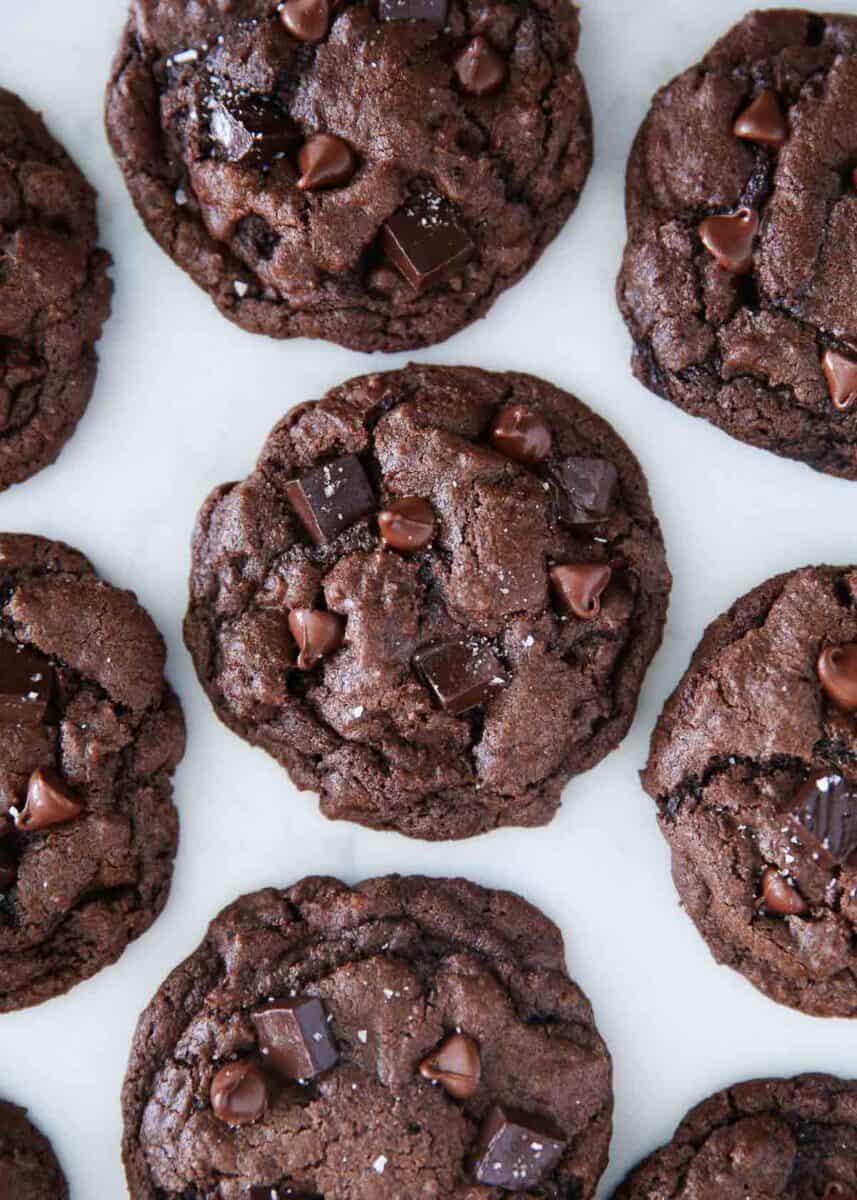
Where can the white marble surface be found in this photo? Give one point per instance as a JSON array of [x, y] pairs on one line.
[[184, 401]]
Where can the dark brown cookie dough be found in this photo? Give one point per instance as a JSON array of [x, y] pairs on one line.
[[54, 293], [740, 270], [416, 1013], [770, 1139], [91, 734], [752, 766], [469, 635], [332, 169], [28, 1166]]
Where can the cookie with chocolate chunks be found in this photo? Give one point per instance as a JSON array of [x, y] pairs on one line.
[[401, 1038], [376, 604], [752, 765], [373, 173], [90, 734], [784, 1139], [54, 293], [28, 1166], [740, 271]]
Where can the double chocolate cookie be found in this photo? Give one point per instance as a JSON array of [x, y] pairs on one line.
[[374, 172], [753, 767], [54, 293], [434, 600], [740, 271], [771, 1139], [408, 1037], [28, 1166], [90, 734]]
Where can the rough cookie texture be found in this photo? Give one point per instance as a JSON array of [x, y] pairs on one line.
[[745, 348], [770, 1139], [289, 260], [28, 1167], [88, 830], [54, 293], [362, 727], [398, 964], [746, 727]]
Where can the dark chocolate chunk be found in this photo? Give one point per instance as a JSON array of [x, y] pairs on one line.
[[521, 433], [763, 121], [294, 1037], [837, 674], [325, 161], [331, 498], [318, 633], [479, 68], [841, 375], [413, 10], [729, 237], [250, 128], [8, 863], [826, 808], [306, 20], [425, 241], [585, 489], [781, 896], [462, 674], [26, 679], [516, 1150], [49, 802], [580, 587], [408, 524], [456, 1065], [239, 1093]]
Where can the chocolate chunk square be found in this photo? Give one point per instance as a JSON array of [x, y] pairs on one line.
[[294, 1037], [250, 128], [584, 489], [516, 1150], [26, 679], [462, 674], [425, 241], [331, 498]]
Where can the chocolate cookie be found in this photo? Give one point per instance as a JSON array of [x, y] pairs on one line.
[[434, 600], [373, 172], [54, 293], [753, 767], [408, 1037], [91, 734], [740, 270], [771, 1139], [28, 1166]]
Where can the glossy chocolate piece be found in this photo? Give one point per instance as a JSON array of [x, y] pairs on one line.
[[522, 434], [462, 674], [250, 128], [295, 1038], [318, 633], [516, 1150], [781, 896], [763, 121], [729, 237], [479, 68], [433, 11], [239, 1092], [306, 20], [49, 802], [456, 1065], [26, 680], [584, 489], [425, 241], [841, 375], [325, 161], [331, 498], [408, 524], [580, 587], [825, 807], [837, 674]]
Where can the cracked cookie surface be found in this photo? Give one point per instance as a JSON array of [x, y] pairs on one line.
[[768, 1139], [91, 736], [54, 293], [432, 675], [752, 767], [739, 272], [28, 1166], [397, 967], [274, 150]]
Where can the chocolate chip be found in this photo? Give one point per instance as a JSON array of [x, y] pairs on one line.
[[294, 1037], [250, 128], [479, 68], [239, 1093], [434, 11], [763, 121], [49, 802], [425, 242], [331, 498], [841, 375], [462, 674], [826, 808], [318, 633], [780, 896], [837, 673], [456, 1065], [584, 489], [8, 864], [325, 161], [516, 1150], [306, 20], [730, 237], [407, 525], [580, 587], [522, 434], [26, 679]]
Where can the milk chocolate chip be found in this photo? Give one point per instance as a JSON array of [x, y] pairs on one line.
[[479, 68], [730, 237], [521, 433], [455, 1065], [239, 1094], [306, 20], [837, 673], [841, 375], [325, 161], [408, 524], [318, 633], [763, 121], [49, 802], [580, 587], [781, 896]]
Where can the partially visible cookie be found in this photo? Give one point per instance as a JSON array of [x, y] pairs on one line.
[[90, 733], [28, 1166], [740, 270], [54, 293], [752, 765], [770, 1139], [408, 1037]]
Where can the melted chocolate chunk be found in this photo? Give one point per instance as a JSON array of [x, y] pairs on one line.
[[250, 128], [584, 490], [456, 1065], [837, 674], [331, 498], [826, 808], [26, 679], [239, 1093], [516, 1150], [294, 1037], [462, 674], [425, 241], [49, 802]]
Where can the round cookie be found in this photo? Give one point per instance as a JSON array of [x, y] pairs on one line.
[[91, 734], [407, 1037], [374, 173], [769, 1139], [28, 1166], [434, 600], [752, 766], [54, 293], [739, 272]]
